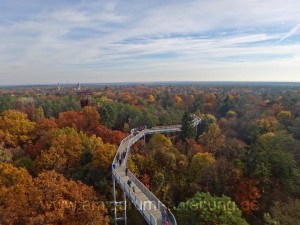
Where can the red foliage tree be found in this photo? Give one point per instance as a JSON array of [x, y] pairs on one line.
[[109, 136], [247, 194]]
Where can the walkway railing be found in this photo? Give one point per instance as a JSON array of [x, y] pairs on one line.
[[138, 203], [152, 201], [152, 198]]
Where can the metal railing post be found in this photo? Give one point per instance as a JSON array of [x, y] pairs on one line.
[[115, 199]]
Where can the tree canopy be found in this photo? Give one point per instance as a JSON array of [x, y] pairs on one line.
[[206, 209]]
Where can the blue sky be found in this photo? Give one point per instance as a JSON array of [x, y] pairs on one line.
[[171, 40]]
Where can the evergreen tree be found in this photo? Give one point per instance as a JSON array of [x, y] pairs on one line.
[[187, 127]]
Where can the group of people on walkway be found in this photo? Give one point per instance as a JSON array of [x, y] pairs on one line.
[[120, 157], [137, 130]]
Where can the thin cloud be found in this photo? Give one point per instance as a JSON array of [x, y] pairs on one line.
[[294, 31], [244, 39]]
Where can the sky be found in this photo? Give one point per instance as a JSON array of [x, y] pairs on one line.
[[95, 41]]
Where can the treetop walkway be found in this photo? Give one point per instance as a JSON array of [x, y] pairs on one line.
[[142, 198]]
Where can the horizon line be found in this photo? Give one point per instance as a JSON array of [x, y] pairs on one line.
[[145, 82]]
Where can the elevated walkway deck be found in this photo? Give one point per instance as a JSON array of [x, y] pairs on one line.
[[142, 198]]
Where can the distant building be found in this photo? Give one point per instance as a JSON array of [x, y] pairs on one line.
[[78, 87]]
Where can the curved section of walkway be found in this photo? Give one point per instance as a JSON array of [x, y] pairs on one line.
[[143, 199]]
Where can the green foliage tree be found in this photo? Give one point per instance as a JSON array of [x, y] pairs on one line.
[[52, 107], [209, 210], [227, 105], [166, 100], [108, 115], [198, 103], [170, 116], [295, 128], [206, 121], [268, 220], [169, 180], [187, 127], [220, 178], [6, 103], [270, 159], [286, 212]]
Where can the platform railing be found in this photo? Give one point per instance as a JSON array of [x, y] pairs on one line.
[[138, 203]]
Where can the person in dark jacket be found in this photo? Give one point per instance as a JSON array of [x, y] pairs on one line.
[[164, 216]]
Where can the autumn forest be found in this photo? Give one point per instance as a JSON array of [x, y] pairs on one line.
[[57, 145]]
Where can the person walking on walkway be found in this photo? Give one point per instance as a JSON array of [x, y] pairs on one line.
[[164, 216], [126, 171], [168, 214], [129, 182]]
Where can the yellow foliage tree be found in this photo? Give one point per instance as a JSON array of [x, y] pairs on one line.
[[178, 100], [212, 140], [268, 124], [151, 99], [103, 156], [38, 114], [199, 162], [285, 118], [65, 151], [16, 126], [159, 140]]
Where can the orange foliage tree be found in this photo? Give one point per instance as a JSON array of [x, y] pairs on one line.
[[44, 125], [109, 136], [47, 199], [72, 119], [92, 117], [86, 120], [210, 102]]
